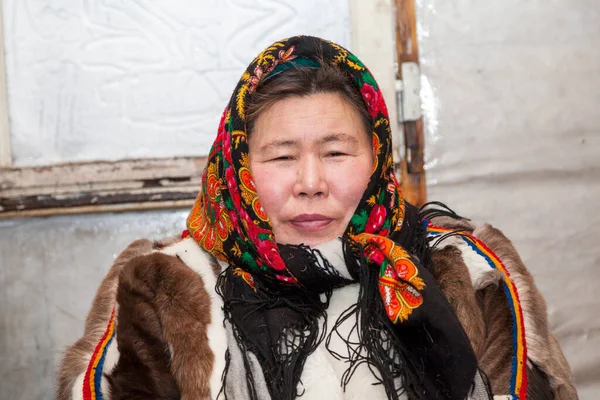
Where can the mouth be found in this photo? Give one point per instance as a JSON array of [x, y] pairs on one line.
[[310, 222]]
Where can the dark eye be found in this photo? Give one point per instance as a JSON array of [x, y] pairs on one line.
[[335, 154], [283, 158]]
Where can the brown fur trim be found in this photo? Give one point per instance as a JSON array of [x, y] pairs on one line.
[[164, 311], [496, 358], [454, 224], [77, 356], [542, 349], [452, 275], [215, 266], [538, 384]]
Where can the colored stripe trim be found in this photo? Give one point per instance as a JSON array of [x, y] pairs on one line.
[[518, 384], [92, 381]]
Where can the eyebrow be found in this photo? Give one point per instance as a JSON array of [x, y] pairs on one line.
[[278, 144], [332, 137], [338, 137]]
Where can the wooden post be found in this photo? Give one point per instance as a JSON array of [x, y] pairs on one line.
[[412, 165]]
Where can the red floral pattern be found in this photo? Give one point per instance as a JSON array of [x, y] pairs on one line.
[[374, 100]]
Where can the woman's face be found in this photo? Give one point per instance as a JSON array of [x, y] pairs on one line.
[[311, 160]]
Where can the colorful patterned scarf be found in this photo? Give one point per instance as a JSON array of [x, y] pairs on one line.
[[269, 285]]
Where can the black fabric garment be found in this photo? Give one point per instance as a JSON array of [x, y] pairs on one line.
[[282, 325]]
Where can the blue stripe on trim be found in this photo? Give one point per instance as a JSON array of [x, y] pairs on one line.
[[99, 368]]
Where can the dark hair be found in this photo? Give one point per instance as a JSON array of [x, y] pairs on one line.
[[304, 81]]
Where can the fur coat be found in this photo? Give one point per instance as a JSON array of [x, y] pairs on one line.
[[171, 340]]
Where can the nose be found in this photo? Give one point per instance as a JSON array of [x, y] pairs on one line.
[[310, 178]]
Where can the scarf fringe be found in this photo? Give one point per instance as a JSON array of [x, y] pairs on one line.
[[377, 344], [302, 326]]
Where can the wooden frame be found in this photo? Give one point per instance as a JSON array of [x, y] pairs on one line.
[[174, 182], [412, 166]]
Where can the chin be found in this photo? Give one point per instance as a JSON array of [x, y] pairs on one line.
[[311, 242], [312, 239]]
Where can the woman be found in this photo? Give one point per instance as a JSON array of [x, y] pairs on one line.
[[304, 272]]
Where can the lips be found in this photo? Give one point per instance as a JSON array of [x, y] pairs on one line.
[[311, 222]]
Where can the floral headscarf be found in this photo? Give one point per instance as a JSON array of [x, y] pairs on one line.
[[228, 221]]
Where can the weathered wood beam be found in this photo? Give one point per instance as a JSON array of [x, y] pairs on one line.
[[100, 186]]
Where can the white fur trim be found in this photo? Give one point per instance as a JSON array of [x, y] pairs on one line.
[[236, 375], [482, 274], [105, 388], [334, 253], [194, 257], [319, 378], [112, 356], [77, 390]]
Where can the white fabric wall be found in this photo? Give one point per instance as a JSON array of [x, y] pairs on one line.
[[511, 95], [107, 80]]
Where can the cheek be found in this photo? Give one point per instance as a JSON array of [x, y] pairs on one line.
[[351, 183], [273, 188]]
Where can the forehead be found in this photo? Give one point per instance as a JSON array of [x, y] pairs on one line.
[[317, 118]]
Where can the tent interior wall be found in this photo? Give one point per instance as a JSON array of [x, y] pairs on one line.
[[510, 95]]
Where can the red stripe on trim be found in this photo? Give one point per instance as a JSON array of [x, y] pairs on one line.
[[87, 389]]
